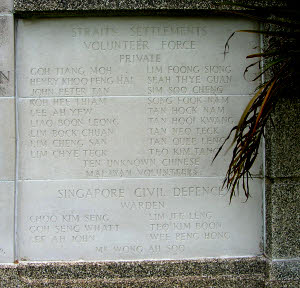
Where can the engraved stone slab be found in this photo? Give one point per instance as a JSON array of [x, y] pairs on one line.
[[7, 136], [125, 136], [133, 219], [133, 57], [119, 119], [6, 56], [7, 222]]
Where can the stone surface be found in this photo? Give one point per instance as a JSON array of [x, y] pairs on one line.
[[244, 267], [6, 56], [148, 130], [135, 137], [134, 219], [282, 191], [217, 273], [6, 5], [133, 57], [192, 282], [7, 136], [250, 273], [282, 157], [282, 222], [146, 102], [9, 276], [282, 284], [284, 270], [7, 222], [282, 139]]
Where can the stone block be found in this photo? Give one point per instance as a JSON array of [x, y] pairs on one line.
[[6, 56], [7, 222], [6, 6], [282, 139], [282, 221], [136, 57], [119, 120], [7, 136], [137, 274], [131, 219], [284, 270], [282, 284], [112, 137]]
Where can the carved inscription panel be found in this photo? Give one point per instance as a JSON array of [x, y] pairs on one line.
[[112, 137], [119, 119], [136, 219]]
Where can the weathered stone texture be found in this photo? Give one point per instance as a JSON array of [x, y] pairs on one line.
[[6, 56], [286, 270], [282, 140], [221, 273], [129, 7], [217, 273], [6, 6], [283, 230], [282, 171], [7, 136]]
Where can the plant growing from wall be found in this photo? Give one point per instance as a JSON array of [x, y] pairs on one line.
[[281, 59]]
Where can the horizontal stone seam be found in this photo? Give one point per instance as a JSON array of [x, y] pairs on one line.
[[285, 260], [132, 263], [137, 96]]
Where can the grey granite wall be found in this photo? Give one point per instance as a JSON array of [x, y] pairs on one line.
[[279, 267], [130, 7], [282, 191]]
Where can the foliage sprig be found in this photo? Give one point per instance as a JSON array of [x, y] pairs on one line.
[[281, 70]]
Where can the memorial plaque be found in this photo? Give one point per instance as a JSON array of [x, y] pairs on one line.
[[119, 119], [136, 219]]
